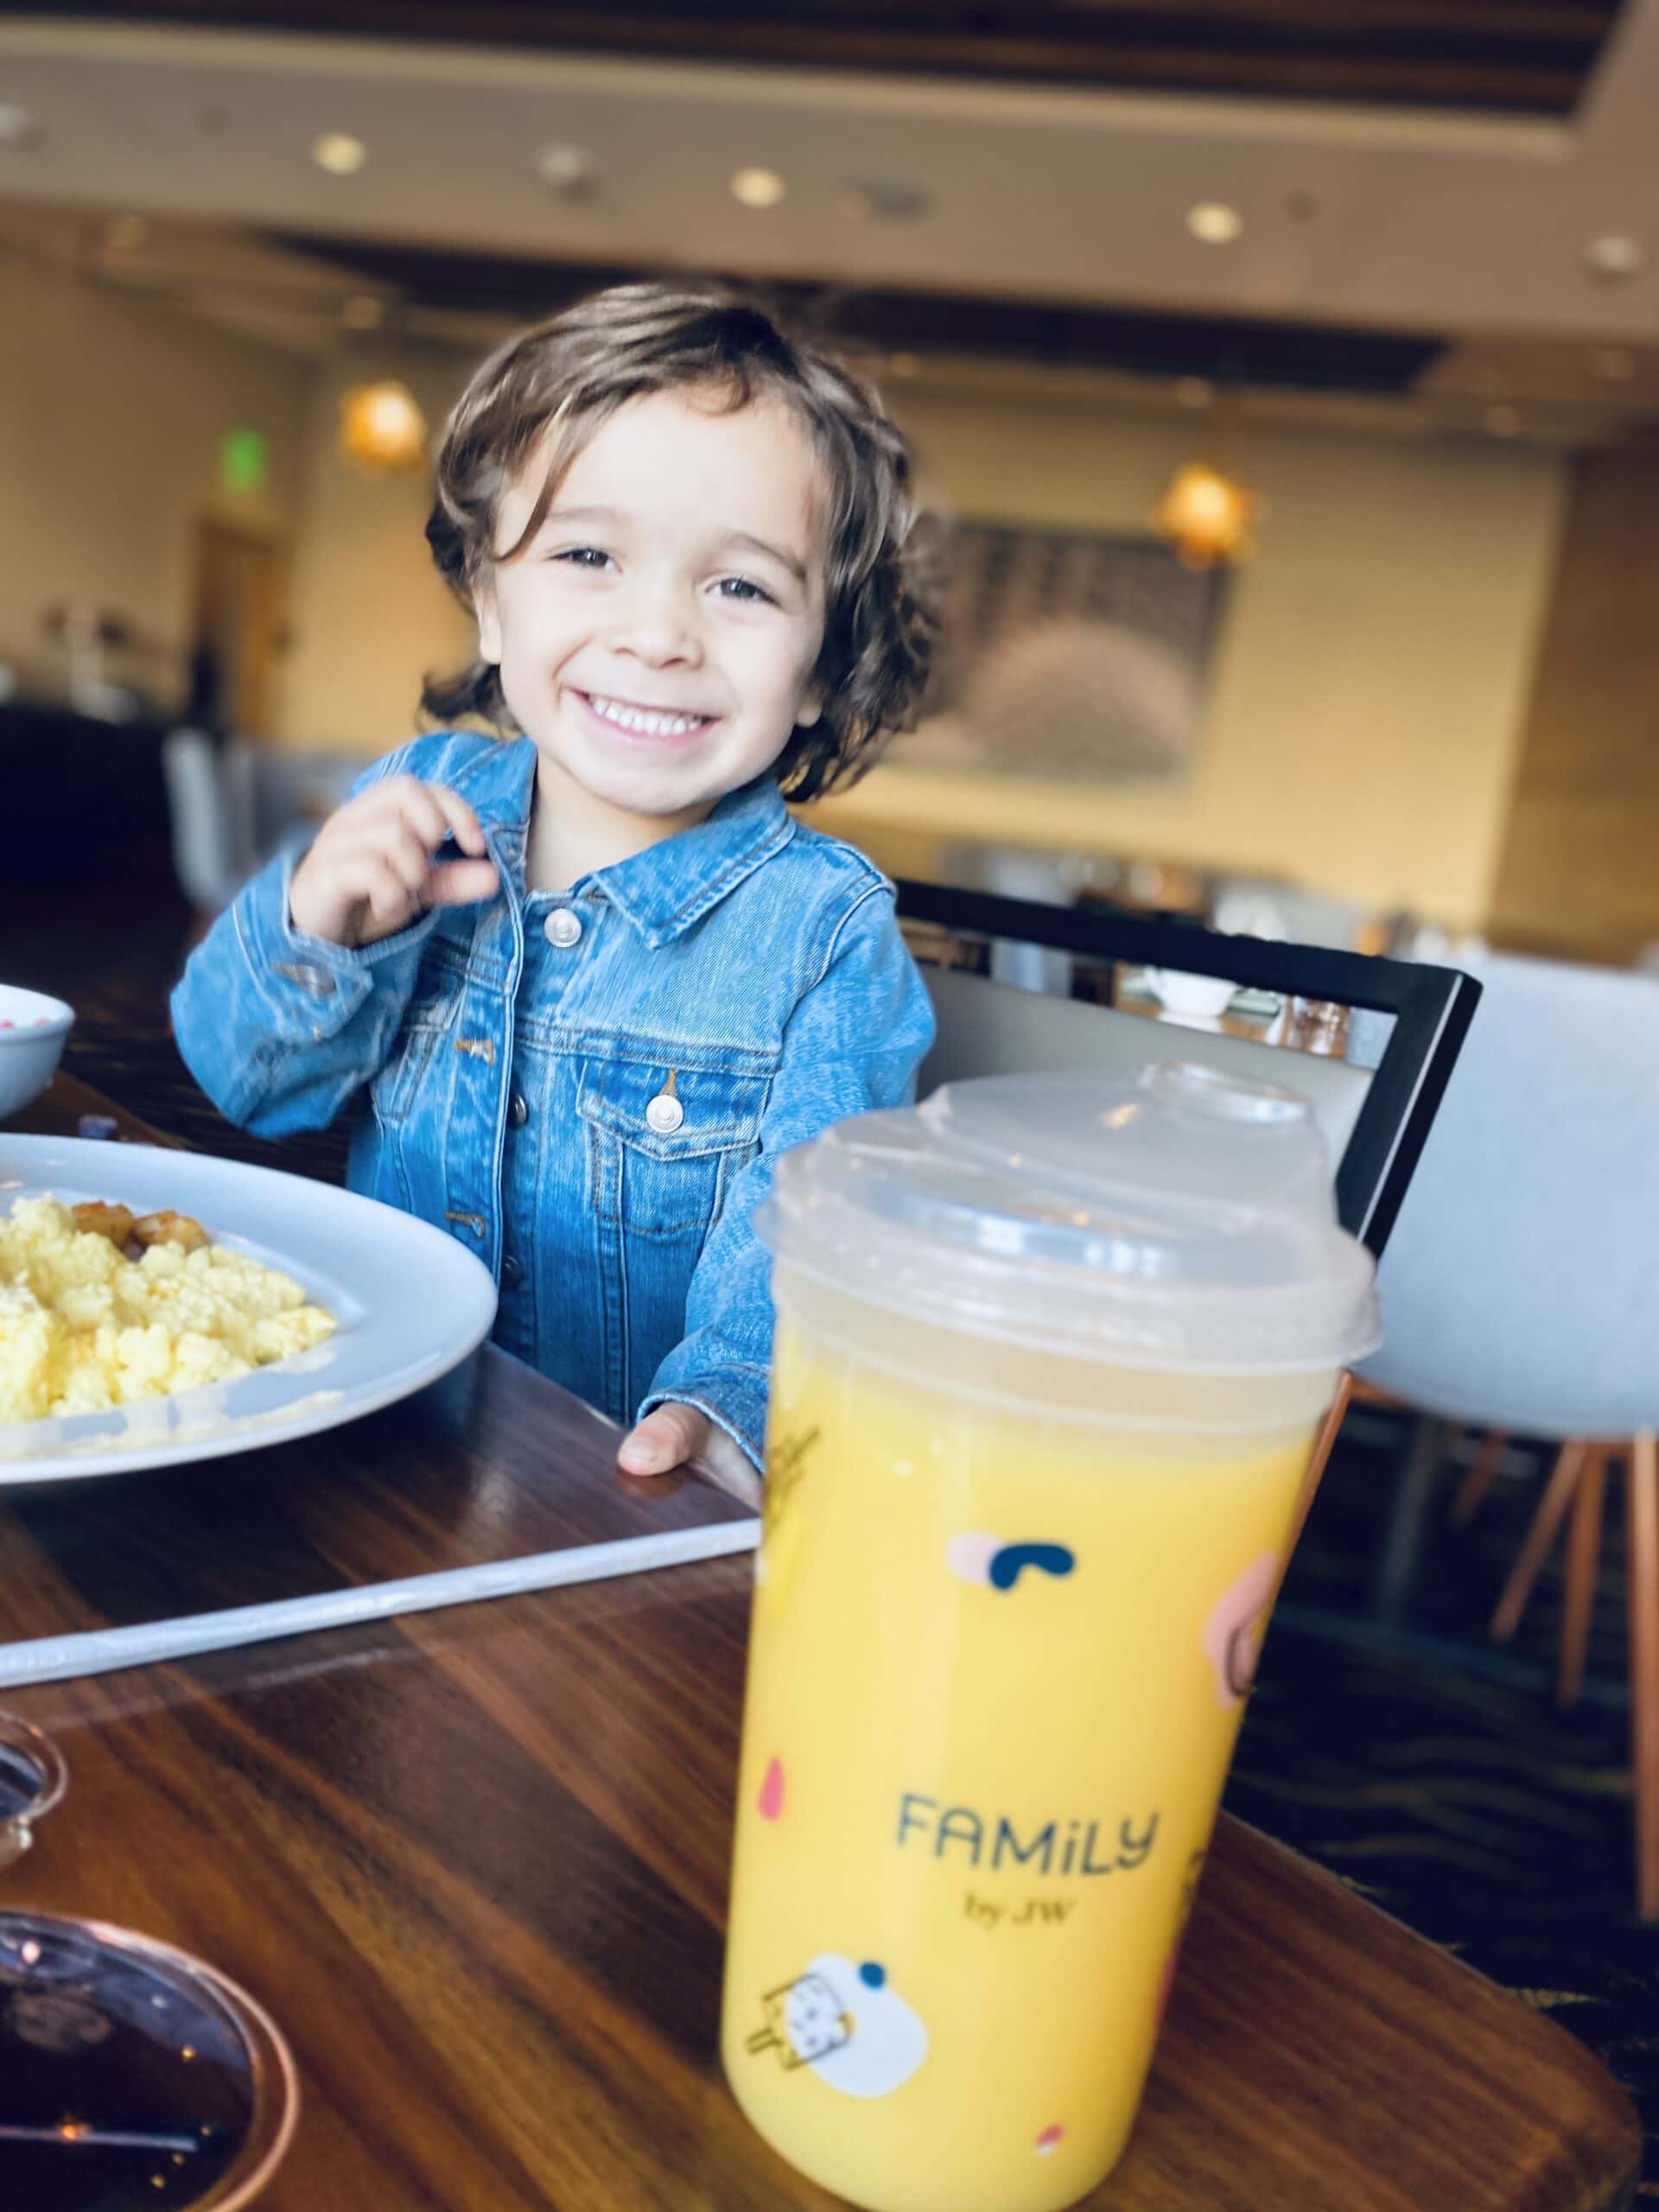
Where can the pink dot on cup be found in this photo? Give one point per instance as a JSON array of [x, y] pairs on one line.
[[770, 1800], [1048, 2141]]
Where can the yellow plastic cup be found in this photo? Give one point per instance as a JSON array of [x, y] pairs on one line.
[[1051, 1357]]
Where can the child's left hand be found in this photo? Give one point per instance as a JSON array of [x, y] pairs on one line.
[[671, 1434]]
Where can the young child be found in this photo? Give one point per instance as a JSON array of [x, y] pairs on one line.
[[592, 973]]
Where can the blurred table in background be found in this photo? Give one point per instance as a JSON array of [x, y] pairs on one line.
[[84, 799]]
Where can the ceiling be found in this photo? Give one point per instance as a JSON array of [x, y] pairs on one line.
[[1063, 334], [1424, 264], [1514, 56]]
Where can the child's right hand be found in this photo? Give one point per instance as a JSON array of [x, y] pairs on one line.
[[370, 873]]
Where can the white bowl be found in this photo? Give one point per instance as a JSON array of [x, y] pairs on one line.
[[1181, 993], [32, 1031]]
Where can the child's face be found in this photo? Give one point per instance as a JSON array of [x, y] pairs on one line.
[[657, 638]]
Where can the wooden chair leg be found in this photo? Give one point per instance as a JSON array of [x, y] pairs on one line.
[[1479, 1480], [1642, 1496], [1552, 1511], [1583, 1563], [1330, 1428]]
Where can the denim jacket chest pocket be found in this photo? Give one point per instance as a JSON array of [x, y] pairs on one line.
[[428, 1019], [665, 1143]]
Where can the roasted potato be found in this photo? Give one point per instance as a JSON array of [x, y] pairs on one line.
[[169, 1228], [95, 1218]]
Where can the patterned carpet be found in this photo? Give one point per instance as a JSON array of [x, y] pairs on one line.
[[1423, 1766], [1434, 1773]]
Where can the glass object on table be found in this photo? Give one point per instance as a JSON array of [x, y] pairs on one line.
[[130, 2074], [33, 1778], [1318, 1025]]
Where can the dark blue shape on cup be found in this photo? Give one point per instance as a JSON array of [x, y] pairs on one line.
[[872, 1975], [1048, 1559]]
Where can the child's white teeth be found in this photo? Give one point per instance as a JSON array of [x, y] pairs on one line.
[[645, 724]]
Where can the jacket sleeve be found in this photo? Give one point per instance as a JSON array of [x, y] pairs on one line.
[[278, 1028], [853, 1044]]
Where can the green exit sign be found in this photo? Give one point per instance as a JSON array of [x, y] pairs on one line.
[[243, 460]]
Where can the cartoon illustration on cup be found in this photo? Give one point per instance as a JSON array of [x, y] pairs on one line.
[[845, 2023], [804, 2022], [788, 1461], [1233, 1635], [976, 1558]]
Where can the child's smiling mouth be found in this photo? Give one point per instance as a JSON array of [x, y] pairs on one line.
[[662, 724]]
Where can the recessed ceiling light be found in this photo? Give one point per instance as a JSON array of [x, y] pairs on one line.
[[1615, 258], [16, 125], [339, 153], [758, 187], [1616, 363], [363, 311], [882, 199], [126, 234], [565, 169], [1194, 391], [1503, 422], [1212, 222]]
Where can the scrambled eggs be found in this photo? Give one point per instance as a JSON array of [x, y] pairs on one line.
[[84, 1328]]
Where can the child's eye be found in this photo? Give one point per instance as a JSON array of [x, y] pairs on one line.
[[582, 557], [743, 590]]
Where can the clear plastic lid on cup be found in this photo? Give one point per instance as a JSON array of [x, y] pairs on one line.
[[1019, 1229]]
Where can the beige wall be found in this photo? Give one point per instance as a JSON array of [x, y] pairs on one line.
[[1372, 675], [111, 417], [1578, 874], [1367, 692], [370, 617]]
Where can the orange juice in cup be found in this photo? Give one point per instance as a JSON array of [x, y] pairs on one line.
[[1051, 1357]]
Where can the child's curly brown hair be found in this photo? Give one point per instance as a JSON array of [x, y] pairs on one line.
[[568, 375]]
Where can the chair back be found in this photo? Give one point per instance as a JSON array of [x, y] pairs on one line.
[[987, 1029], [232, 805], [204, 859], [1374, 1108], [1521, 1289]]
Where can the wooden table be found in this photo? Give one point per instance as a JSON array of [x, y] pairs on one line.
[[475, 1863]]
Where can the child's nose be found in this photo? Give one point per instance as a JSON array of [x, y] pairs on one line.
[[658, 628]]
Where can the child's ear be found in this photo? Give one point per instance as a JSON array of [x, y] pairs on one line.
[[811, 709], [488, 617]]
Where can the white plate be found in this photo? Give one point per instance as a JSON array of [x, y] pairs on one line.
[[409, 1302]]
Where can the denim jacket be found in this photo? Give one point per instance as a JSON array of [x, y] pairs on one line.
[[589, 1088]]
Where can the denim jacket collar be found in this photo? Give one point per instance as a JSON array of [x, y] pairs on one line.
[[667, 888]]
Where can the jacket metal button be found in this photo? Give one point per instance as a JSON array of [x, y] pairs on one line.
[[518, 1109], [512, 1273], [664, 1114], [563, 928]]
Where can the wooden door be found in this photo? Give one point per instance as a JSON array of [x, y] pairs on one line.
[[237, 635]]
